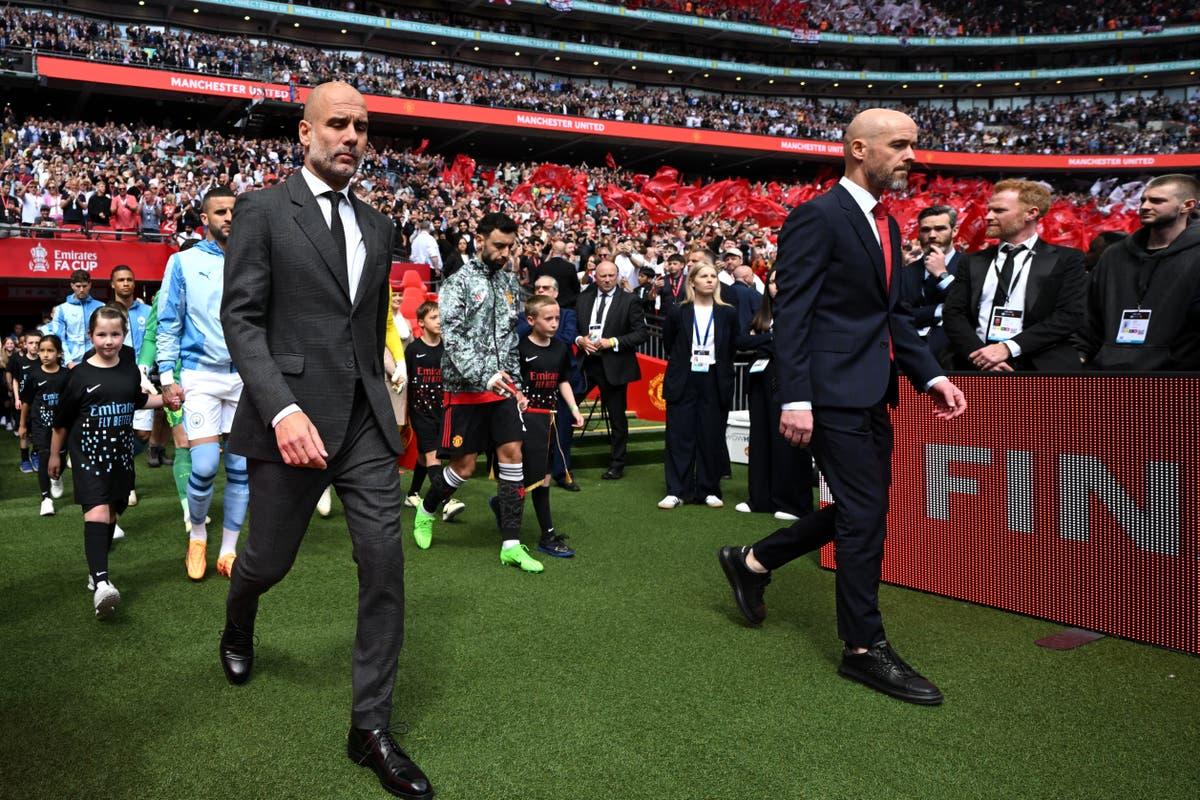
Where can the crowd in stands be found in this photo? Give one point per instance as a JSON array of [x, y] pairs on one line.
[[769, 54], [1128, 125], [73, 172], [937, 18]]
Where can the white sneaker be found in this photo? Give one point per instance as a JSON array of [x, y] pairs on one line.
[[413, 500], [784, 516], [743, 507], [56, 488], [712, 501], [325, 504], [47, 507], [106, 599], [452, 509], [133, 498], [118, 533], [670, 501]]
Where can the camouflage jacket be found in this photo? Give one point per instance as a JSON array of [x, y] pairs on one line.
[[479, 327]]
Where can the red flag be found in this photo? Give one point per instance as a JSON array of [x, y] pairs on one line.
[[523, 193], [553, 175], [655, 209], [461, 171], [610, 161], [420, 148], [766, 212], [488, 176]]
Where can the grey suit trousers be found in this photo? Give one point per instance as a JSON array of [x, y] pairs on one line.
[[282, 501]]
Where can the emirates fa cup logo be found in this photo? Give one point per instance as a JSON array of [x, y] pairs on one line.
[[37, 259]]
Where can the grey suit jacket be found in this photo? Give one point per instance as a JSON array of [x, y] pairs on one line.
[[291, 328]]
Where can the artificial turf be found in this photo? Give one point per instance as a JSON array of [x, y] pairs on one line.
[[622, 673]]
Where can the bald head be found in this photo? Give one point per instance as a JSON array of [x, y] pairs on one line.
[[334, 132], [879, 146], [330, 92], [744, 274]]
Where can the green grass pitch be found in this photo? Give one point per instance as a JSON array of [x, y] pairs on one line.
[[622, 673]]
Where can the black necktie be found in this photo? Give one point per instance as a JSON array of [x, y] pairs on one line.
[[337, 229], [1006, 273], [600, 311]]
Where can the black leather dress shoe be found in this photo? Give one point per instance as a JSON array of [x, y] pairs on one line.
[[397, 773], [747, 585], [883, 670], [613, 474], [568, 483], [237, 653]]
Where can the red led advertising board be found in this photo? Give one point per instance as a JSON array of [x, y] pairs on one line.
[[22, 257], [211, 85], [1073, 499]]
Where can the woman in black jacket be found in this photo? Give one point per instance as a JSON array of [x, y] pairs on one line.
[[780, 475], [699, 337]]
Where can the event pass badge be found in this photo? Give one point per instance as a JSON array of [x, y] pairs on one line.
[[1135, 324], [1006, 323]]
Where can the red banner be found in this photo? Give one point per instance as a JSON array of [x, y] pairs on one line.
[[58, 258], [1071, 499], [193, 84]]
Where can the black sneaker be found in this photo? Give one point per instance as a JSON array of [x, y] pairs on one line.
[[554, 545], [748, 586], [885, 671]]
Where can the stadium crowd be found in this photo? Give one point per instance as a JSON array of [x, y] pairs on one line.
[[1128, 125], [804, 58], [925, 18], [71, 171]]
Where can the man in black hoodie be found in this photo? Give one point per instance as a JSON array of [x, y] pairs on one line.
[[1144, 297]]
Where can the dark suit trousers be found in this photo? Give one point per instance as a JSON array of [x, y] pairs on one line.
[[615, 402], [282, 500], [853, 448], [695, 453], [779, 474]]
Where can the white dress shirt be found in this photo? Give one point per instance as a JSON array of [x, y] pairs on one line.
[[1016, 296], [866, 202], [597, 318], [425, 250], [356, 248], [626, 269]]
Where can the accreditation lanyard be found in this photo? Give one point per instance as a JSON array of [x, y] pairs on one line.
[[702, 352], [1135, 322], [1017, 272], [1007, 322]]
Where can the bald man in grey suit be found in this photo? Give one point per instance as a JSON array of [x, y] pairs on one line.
[[304, 310]]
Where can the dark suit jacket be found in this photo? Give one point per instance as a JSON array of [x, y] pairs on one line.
[[677, 342], [624, 321], [568, 279], [834, 313], [748, 302], [1055, 296], [291, 329], [922, 294]]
